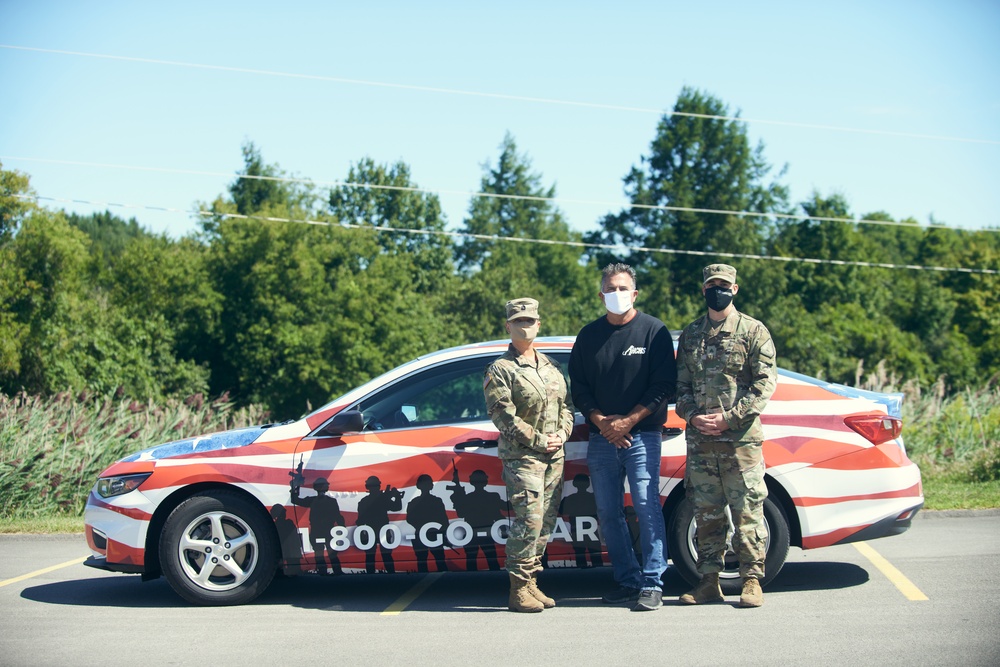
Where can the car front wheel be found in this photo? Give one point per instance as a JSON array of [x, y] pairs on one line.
[[217, 548], [682, 534]]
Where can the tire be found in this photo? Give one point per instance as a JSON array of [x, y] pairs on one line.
[[218, 548], [683, 546]]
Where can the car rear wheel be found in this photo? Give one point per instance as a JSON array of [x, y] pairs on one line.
[[682, 537], [217, 548]]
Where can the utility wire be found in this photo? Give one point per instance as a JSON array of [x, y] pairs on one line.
[[519, 98], [494, 195], [516, 239]]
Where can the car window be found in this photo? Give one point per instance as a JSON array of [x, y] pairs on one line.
[[563, 359], [448, 393]]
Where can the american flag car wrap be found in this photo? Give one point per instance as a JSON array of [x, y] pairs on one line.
[[346, 502]]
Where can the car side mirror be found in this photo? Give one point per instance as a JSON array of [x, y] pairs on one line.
[[348, 421]]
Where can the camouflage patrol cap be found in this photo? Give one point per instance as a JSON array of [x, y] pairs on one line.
[[720, 271], [522, 308]]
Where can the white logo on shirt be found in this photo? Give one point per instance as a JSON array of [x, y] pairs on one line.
[[632, 349]]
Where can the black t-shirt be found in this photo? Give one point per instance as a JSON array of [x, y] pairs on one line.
[[614, 368]]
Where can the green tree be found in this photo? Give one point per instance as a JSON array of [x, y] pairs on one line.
[[309, 311], [14, 203], [838, 339], [260, 184], [14, 207], [517, 206], [976, 314], [46, 299], [387, 199], [164, 286], [68, 335], [109, 234], [696, 161]]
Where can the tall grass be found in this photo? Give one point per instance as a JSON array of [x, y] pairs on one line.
[[52, 449]]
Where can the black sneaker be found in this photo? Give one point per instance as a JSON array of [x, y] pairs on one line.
[[650, 599], [620, 595]]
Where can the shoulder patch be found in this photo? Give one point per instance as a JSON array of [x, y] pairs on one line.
[[487, 378]]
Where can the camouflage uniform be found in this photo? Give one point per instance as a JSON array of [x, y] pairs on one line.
[[728, 368], [526, 403]]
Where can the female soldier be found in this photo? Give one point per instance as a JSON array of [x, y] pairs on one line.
[[526, 398]]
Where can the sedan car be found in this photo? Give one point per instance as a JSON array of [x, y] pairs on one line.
[[402, 475]]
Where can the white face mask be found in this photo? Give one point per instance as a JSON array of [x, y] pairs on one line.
[[618, 302]]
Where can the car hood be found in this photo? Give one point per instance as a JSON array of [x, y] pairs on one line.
[[200, 444]]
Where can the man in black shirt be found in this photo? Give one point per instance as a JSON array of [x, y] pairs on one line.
[[623, 377]]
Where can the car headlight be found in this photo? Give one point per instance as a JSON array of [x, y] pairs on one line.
[[119, 484]]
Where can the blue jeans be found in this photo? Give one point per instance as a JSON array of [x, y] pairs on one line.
[[640, 463]]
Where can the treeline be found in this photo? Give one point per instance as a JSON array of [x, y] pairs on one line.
[[288, 314]]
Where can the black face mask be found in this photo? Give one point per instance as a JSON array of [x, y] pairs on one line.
[[718, 298]]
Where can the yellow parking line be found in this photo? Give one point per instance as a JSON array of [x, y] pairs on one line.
[[409, 596], [904, 585], [42, 571]]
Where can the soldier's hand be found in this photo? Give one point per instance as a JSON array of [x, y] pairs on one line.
[[710, 424], [553, 442]]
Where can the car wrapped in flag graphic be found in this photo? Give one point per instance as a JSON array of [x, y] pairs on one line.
[[401, 475]]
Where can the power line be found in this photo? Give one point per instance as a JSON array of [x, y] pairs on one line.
[[503, 96], [494, 195], [515, 239]]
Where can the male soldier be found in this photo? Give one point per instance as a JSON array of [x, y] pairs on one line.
[[725, 376]]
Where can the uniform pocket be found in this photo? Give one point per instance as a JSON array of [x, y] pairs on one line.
[[736, 358], [751, 462], [749, 456]]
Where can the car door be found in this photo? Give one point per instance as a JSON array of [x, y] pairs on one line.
[[418, 486]]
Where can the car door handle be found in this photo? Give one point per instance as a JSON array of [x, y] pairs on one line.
[[476, 444]]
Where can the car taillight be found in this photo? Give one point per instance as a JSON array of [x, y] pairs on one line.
[[876, 428]]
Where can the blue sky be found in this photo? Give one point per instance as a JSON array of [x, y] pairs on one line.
[[906, 67]]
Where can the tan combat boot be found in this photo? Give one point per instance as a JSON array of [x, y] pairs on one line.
[[537, 593], [751, 596], [707, 591], [521, 598]]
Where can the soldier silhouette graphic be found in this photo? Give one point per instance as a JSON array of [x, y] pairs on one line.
[[577, 505], [428, 510], [288, 536], [324, 514], [373, 511], [480, 509]]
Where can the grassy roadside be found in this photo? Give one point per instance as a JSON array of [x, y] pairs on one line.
[[42, 525], [945, 494]]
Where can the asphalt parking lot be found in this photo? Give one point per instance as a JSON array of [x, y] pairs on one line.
[[929, 596]]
